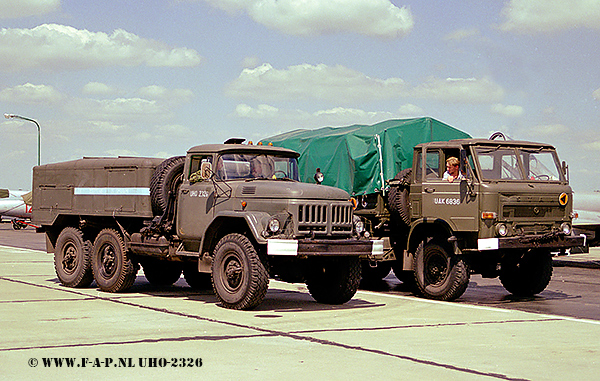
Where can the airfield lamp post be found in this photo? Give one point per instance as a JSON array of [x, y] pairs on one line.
[[13, 116]]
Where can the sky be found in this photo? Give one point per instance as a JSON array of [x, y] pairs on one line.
[[156, 77]]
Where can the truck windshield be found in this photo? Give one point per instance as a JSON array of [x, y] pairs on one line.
[[518, 164], [256, 166]]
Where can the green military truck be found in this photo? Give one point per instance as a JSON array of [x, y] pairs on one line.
[[509, 209], [228, 214]]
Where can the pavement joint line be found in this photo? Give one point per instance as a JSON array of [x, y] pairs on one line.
[[276, 333]]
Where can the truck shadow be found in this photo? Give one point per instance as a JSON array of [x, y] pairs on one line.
[[276, 300]]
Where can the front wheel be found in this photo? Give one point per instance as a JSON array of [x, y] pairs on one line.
[[113, 270], [240, 279], [333, 280], [438, 274], [527, 274]]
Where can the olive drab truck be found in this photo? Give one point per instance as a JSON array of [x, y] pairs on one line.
[[509, 210], [229, 216]]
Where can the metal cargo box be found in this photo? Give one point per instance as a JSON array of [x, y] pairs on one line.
[[93, 187]]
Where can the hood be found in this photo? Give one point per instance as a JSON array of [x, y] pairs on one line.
[[287, 189]]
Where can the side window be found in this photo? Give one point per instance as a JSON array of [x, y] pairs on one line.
[[200, 168], [432, 165], [419, 160]]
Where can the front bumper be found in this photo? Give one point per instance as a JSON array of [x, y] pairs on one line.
[[544, 241], [372, 249]]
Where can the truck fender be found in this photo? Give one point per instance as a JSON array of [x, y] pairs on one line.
[[424, 228], [256, 222]]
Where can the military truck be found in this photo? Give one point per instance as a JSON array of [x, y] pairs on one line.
[[510, 208], [231, 215]]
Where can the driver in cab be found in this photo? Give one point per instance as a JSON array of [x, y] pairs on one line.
[[452, 170]]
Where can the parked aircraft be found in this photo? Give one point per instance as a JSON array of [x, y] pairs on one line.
[[16, 204], [587, 207]]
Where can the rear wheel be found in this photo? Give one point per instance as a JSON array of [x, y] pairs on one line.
[[438, 274], [333, 280], [113, 270], [527, 274], [240, 279], [71, 258]]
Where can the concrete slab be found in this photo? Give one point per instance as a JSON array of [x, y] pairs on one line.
[[151, 333]]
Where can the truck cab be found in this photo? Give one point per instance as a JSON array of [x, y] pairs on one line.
[[509, 209]]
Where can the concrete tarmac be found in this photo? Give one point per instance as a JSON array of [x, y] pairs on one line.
[[151, 333]]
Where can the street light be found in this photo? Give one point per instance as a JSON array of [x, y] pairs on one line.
[[13, 116]]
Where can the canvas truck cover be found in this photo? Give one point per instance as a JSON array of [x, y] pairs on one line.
[[349, 157]]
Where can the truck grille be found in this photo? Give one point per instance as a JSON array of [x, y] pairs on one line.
[[324, 218]]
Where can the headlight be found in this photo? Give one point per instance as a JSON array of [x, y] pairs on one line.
[[274, 225], [359, 226], [565, 227], [501, 230]]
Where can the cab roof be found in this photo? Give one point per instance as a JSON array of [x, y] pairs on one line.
[[241, 148], [485, 143]]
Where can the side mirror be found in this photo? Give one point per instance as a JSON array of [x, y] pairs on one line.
[[206, 170], [565, 170]]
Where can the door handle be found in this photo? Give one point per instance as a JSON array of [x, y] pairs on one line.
[[429, 190]]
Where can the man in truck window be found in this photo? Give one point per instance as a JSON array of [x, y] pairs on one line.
[[452, 170]]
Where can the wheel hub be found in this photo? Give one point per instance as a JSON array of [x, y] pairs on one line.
[[108, 260], [233, 273], [69, 259]]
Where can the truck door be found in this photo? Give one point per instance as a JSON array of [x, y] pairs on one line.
[[194, 205], [444, 199]]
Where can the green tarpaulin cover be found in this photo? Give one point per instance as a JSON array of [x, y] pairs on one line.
[[349, 156]]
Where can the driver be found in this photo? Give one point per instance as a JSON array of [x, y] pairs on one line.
[[452, 172]]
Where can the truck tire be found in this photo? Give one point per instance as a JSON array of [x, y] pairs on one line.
[[72, 258], [438, 274], [528, 274], [113, 269], [240, 279], [398, 199], [166, 178], [333, 280], [161, 273]]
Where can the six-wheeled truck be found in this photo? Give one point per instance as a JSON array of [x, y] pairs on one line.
[[230, 215], [509, 209]]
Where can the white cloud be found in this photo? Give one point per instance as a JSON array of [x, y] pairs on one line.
[[531, 16], [330, 83], [378, 18], [460, 90], [338, 84], [59, 47], [31, 94], [120, 109], [511, 111], [168, 95], [592, 146], [547, 130], [596, 94], [462, 34], [25, 8], [338, 116], [97, 88]]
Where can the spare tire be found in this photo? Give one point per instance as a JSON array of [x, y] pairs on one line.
[[398, 197], [167, 177]]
